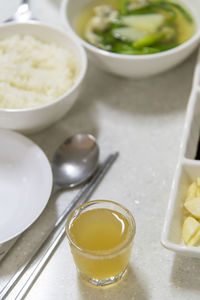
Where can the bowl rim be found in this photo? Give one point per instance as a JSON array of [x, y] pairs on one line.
[[79, 77], [94, 49]]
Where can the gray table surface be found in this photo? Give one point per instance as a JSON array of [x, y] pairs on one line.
[[144, 121]]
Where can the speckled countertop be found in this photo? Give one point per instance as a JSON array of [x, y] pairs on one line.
[[143, 120]]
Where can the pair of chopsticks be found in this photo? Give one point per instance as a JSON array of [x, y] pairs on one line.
[[58, 229]]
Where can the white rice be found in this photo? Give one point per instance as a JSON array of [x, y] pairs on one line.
[[33, 72]]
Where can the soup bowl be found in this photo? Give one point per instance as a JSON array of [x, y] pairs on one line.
[[133, 66], [35, 118]]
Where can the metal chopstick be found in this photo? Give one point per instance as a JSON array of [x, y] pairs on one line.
[[83, 195]]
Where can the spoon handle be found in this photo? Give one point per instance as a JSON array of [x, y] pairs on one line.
[[50, 243]]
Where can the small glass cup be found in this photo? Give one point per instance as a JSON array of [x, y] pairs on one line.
[[102, 259]]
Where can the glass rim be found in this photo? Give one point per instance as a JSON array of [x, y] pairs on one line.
[[102, 254]]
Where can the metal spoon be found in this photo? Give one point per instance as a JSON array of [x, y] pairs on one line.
[[22, 14], [75, 161]]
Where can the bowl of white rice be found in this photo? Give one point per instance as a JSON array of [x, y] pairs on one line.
[[42, 70]]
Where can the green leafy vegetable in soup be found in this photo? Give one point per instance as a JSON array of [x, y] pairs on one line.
[[135, 27]]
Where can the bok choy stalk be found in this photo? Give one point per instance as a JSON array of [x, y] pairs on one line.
[[122, 7]]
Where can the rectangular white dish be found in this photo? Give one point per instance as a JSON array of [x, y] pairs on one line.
[[187, 170]]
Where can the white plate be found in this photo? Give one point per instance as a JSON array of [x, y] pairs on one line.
[[25, 183], [188, 169]]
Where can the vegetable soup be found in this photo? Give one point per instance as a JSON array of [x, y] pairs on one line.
[[135, 27]]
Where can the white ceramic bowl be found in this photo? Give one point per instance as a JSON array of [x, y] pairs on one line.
[[134, 66], [29, 120], [188, 169]]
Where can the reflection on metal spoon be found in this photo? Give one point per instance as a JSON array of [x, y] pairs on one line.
[[75, 161], [23, 13]]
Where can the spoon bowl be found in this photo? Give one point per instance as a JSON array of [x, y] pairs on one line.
[[75, 161]]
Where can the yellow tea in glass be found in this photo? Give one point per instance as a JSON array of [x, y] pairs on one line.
[[101, 236]]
